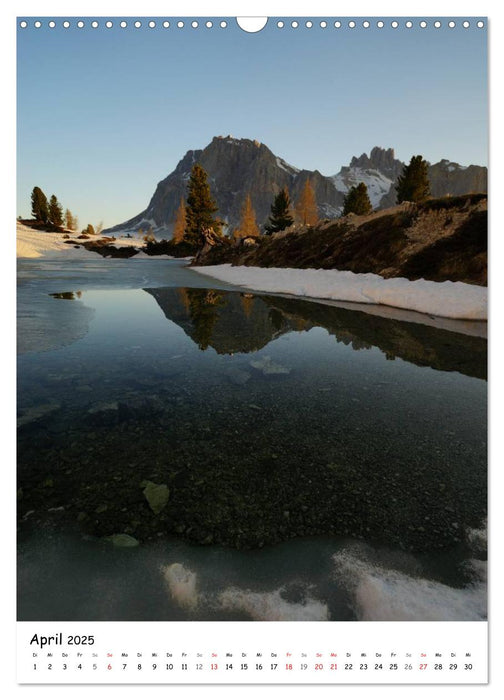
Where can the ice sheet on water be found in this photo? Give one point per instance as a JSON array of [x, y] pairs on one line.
[[259, 605], [181, 584], [477, 537], [271, 605], [381, 594], [46, 323]]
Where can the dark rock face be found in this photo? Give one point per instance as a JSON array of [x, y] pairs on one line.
[[238, 167], [380, 159], [447, 178], [451, 178]]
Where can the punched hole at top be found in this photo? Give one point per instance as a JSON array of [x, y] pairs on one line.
[[252, 24]]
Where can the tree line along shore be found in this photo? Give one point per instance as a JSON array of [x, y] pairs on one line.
[[437, 239]]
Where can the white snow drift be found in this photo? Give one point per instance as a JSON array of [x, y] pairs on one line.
[[446, 299], [31, 243]]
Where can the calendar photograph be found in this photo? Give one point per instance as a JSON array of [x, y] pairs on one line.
[[251, 319]]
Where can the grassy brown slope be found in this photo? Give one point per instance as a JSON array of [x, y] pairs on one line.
[[441, 239]]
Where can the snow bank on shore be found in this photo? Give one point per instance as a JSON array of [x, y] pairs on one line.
[[446, 299], [31, 243], [38, 244]]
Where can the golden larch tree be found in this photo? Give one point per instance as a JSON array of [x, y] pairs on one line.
[[70, 220], [184, 298], [306, 207], [247, 302], [248, 224], [180, 222]]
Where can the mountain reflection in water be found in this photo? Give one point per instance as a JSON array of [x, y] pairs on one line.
[[233, 322], [255, 464], [254, 422]]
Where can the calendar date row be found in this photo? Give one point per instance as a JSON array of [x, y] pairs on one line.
[[254, 667]]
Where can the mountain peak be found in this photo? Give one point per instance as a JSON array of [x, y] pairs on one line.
[[230, 139], [382, 159], [239, 167]]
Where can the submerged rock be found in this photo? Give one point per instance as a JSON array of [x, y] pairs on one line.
[[113, 412], [157, 495], [237, 376], [140, 407], [35, 413], [122, 540], [103, 413], [267, 366]]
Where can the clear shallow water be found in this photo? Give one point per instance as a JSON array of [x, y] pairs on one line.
[[319, 463]]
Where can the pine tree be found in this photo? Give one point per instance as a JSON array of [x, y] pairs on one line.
[[306, 206], [200, 207], [40, 207], [204, 305], [280, 217], [180, 222], [357, 200], [70, 221], [55, 211], [413, 183], [248, 224]]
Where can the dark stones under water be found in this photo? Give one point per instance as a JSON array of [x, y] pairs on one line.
[[256, 420]]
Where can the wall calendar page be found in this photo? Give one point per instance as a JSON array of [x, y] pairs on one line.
[[252, 350]]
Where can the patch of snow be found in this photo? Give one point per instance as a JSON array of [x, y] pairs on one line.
[[40, 244], [340, 183], [286, 166], [446, 299], [31, 243], [329, 212], [376, 182], [455, 166]]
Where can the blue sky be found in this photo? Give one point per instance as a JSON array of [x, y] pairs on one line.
[[104, 114]]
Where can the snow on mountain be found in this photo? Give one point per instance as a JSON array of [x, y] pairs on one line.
[[376, 182], [285, 166], [240, 167]]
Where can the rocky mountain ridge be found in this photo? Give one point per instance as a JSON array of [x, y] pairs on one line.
[[237, 167]]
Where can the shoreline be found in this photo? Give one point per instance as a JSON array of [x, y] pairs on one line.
[[447, 300], [455, 301]]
